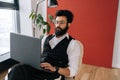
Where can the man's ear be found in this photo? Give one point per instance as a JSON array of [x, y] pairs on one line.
[[68, 24]]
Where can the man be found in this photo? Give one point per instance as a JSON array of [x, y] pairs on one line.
[[60, 54]]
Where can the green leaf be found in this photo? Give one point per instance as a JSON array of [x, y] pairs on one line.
[[40, 17], [48, 28], [37, 20], [31, 15], [50, 17], [44, 23], [44, 30]]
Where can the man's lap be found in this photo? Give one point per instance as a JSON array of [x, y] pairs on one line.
[[26, 72]]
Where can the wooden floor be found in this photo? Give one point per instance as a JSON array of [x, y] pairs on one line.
[[2, 75], [90, 72]]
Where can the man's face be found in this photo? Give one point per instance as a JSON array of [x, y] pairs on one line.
[[61, 26]]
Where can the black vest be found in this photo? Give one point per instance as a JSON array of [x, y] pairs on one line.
[[58, 55]]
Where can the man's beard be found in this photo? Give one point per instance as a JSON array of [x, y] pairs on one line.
[[59, 31]]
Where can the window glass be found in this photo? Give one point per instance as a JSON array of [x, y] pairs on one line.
[[7, 25]]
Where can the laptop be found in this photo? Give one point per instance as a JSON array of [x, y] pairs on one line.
[[26, 49]]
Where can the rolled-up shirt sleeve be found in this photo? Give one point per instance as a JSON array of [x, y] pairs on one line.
[[73, 52]]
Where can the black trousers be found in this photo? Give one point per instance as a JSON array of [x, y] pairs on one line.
[[26, 72]]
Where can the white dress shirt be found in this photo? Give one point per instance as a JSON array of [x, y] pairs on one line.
[[73, 52]]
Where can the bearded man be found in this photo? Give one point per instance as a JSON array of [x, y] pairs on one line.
[[60, 54]]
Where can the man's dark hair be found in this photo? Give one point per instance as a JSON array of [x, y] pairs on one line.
[[68, 14]]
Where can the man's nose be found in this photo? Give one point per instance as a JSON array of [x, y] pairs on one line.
[[58, 24]]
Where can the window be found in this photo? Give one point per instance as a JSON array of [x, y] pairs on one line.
[[8, 22]]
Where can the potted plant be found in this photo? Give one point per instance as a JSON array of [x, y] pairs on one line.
[[41, 23]]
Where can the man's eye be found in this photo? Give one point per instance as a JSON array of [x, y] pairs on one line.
[[59, 22]]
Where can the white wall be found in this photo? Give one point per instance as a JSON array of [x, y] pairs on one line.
[[26, 6], [25, 22], [116, 52]]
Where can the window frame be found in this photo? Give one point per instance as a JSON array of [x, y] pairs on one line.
[[8, 5]]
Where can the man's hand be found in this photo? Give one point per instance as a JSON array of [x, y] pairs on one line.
[[48, 66], [62, 71]]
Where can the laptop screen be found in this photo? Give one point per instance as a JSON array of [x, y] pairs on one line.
[[25, 49]]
